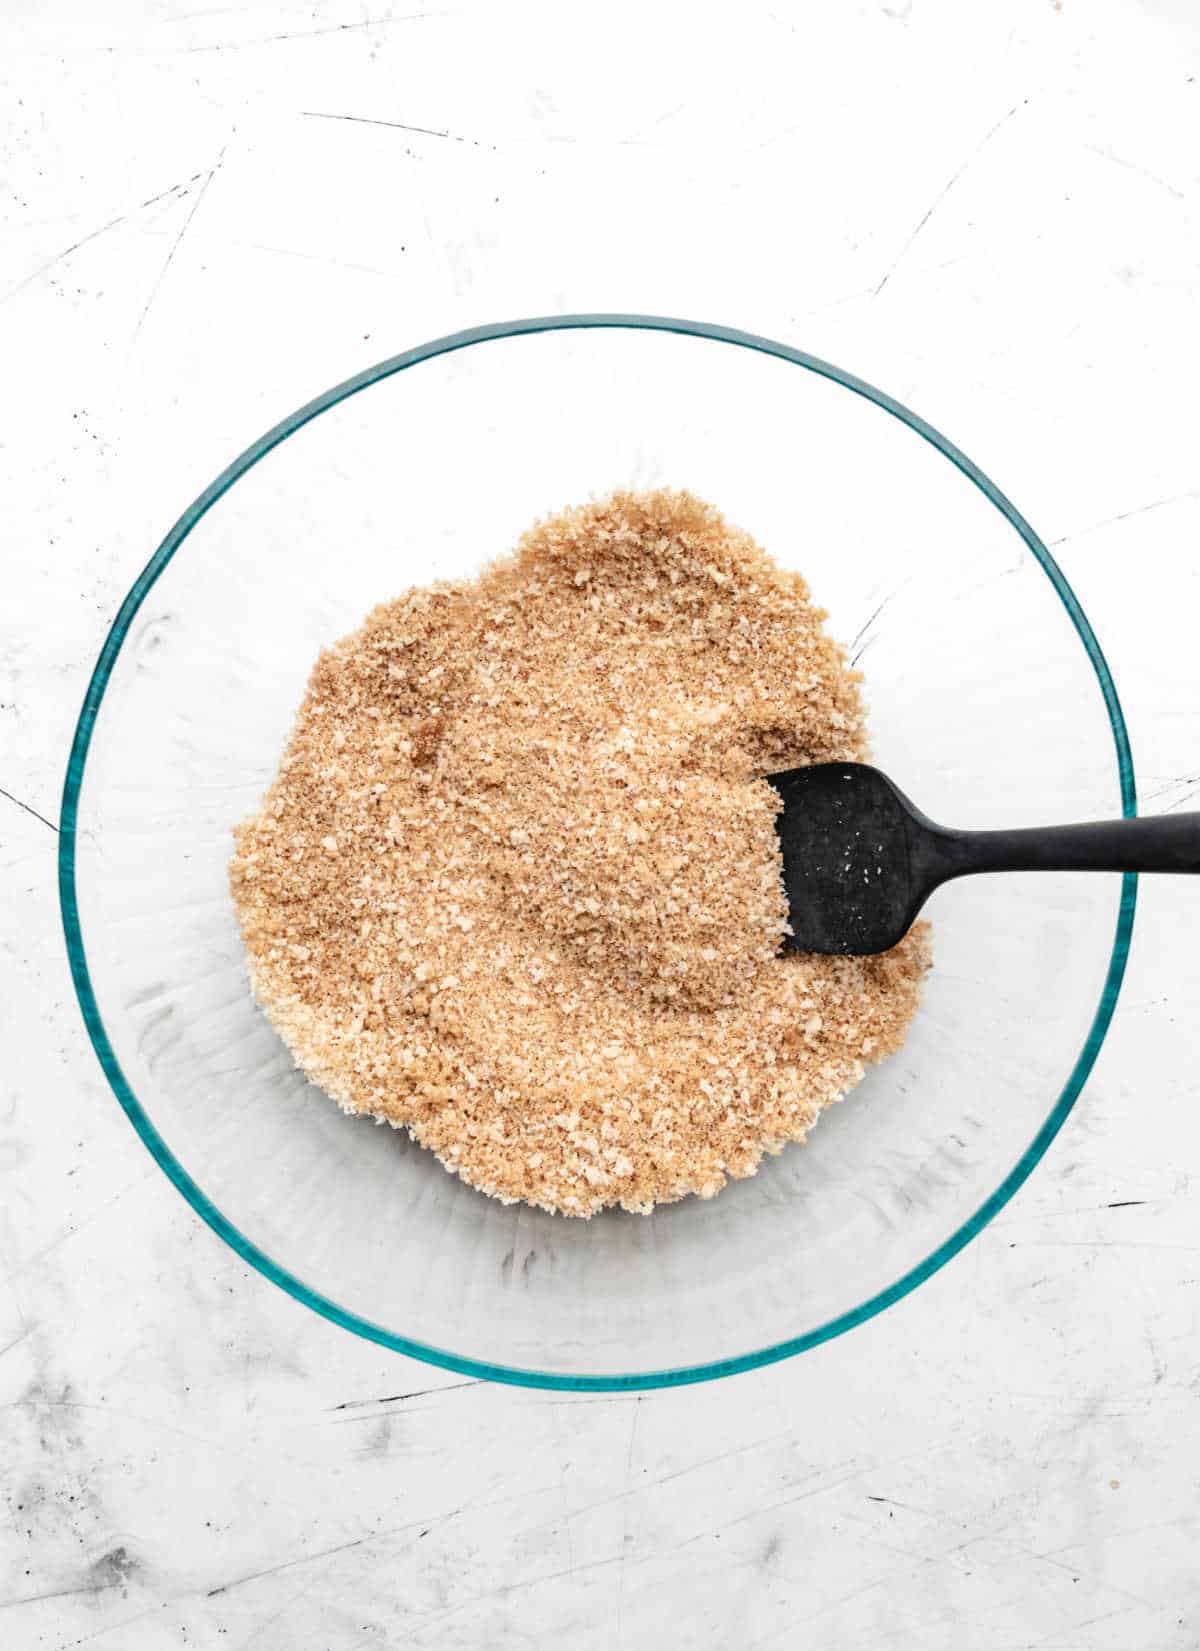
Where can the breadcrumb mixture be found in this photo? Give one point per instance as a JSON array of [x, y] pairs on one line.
[[517, 888]]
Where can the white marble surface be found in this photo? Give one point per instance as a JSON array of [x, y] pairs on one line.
[[212, 212]]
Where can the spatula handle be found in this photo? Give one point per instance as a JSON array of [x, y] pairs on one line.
[[1165, 842]]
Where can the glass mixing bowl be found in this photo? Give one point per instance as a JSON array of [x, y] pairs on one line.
[[990, 705]]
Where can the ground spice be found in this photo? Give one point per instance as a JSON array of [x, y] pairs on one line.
[[517, 889]]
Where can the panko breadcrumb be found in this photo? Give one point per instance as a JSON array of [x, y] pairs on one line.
[[517, 888]]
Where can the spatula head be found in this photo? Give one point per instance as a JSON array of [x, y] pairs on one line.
[[848, 838]]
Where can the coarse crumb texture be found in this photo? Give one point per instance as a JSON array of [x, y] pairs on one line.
[[517, 887]]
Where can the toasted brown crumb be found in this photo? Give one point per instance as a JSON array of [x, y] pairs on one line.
[[517, 888]]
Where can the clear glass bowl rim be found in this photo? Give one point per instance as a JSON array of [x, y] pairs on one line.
[[175, 1171]]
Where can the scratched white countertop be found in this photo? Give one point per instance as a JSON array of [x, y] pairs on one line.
[[213, 212]]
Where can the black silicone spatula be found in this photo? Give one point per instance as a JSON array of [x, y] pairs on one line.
[[859, 861]]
